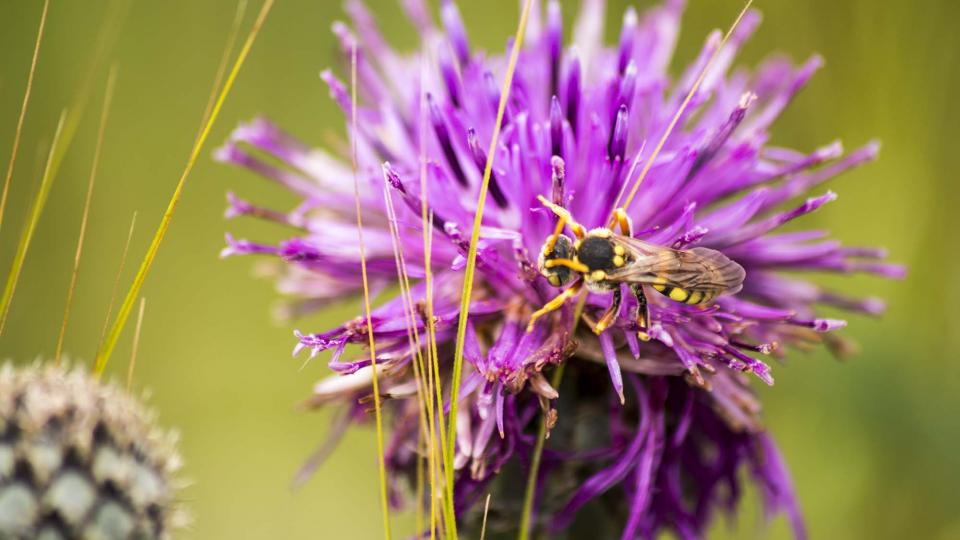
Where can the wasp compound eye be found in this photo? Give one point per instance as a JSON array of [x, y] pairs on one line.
[[558, 276]]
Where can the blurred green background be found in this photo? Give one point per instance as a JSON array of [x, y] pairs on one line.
[[872, 442]]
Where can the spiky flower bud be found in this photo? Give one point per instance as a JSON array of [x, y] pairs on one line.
[[81, 459]]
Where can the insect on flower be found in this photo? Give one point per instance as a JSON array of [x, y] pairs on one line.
[[605, 261], [654, 423]]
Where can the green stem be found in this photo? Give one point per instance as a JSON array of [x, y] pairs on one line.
[[531, 490]]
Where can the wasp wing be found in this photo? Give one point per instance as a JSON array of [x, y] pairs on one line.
[[699, 269]]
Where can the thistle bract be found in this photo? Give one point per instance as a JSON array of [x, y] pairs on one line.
[[653, 434]]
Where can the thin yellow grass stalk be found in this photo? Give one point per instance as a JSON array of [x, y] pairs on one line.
[[78, 106], [433, 372], [103, 355], [419, 487], [39, 201], [107, 98], [486, 510], [116, 282], [683, 107], [381, 463], [424, 398], [433, 365], [222, 66], [136, 343], [23, 110], [472, 262]]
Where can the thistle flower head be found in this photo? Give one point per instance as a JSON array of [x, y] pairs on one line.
[[664, 424], [82, 459]]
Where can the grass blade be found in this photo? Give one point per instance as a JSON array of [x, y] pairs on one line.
[[103, 356], [39, 201], [23, 110], [486, 510], [471, 266], [116, 283], [433, 365], [136, 344], [381, 463], [224, 62], [683, 107], [107, 98]]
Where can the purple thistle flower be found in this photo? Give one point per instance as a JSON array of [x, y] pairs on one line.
[[653, 434]]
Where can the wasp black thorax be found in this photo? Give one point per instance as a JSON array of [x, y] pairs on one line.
[[597, 253]]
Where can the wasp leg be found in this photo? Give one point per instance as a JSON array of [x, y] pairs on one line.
[[554, 304], [578, 230], [611, 314], [569, 263], [552, 241], [621, 218], [643, 312]]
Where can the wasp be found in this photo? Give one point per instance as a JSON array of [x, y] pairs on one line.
[[603, 260]]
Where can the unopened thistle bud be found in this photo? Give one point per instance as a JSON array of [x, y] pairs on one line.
[[81, 459]]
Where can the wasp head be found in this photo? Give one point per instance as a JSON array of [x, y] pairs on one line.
[[563, 248]]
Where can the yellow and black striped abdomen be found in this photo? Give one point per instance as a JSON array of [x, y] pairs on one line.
[[679, 294]]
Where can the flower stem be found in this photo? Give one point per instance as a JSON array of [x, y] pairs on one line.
[[531, 490]]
